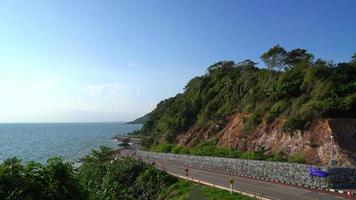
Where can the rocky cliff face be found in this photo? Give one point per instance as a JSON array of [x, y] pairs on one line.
[[314, 143]]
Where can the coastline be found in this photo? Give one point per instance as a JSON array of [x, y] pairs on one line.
[[41, 141]]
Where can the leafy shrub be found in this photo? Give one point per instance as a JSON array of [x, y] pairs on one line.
[[278, 157], [276, 109], [128, 178], [254, 120], [146, 142], [55, 180], [165, 148], [296, 122], [297, 158], [249, 155], [150, 183]]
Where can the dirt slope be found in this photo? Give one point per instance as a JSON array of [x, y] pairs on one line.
[[314, 143]]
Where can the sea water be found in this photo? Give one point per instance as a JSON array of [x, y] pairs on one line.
[[40, 141]]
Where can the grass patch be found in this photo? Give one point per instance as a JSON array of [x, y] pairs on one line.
[[209, 148], [218, 194], [181, 191]]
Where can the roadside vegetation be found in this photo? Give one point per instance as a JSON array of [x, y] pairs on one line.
[[210, 149], [32, 181], [98, 178], [181, 191]]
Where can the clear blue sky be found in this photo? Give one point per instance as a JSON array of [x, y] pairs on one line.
[[64, 60]]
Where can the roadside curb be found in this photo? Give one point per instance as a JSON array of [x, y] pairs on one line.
[[340, 191]]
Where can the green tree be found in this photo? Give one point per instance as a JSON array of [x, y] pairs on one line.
[[93, 170], [353, 58], [60, 180], [296, 56], [274, 58], [151, 182]]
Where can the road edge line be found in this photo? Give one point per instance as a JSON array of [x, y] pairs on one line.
[[221, 187]]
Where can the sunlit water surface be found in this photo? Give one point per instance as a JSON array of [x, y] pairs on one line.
[[40, 141]]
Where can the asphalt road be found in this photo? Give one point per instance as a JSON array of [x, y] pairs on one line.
[[268, 189]]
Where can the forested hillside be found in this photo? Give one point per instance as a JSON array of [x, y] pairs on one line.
[[294, 86], [139, 120]]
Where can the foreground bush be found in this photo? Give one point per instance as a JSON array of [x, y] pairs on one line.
[[55, 180], [121, 179]]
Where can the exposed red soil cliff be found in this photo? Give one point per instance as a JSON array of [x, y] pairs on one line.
[[314, 143]]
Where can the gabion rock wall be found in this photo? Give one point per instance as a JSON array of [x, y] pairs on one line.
[[290, 173]]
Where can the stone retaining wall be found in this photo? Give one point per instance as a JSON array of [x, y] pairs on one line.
[[291, 173]]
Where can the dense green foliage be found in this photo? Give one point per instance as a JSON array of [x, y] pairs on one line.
[[294, 86], [98, 178], [54, 181], [203, 149], [210, 149], [121, 179]]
